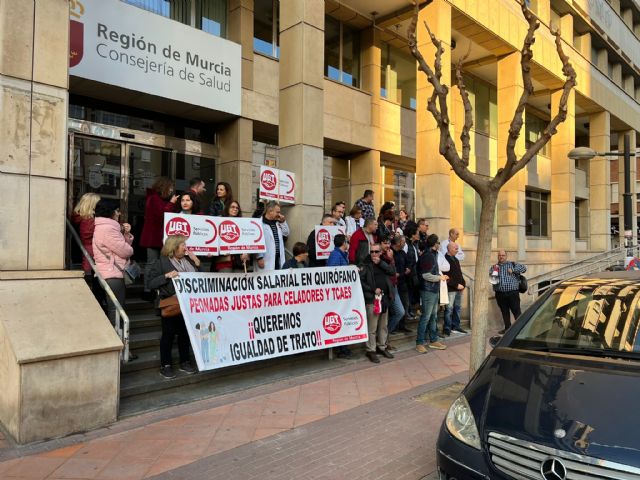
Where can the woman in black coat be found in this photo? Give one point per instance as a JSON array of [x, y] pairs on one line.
[[174, 258]]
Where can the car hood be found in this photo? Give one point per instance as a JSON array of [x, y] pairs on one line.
[[530, 396]]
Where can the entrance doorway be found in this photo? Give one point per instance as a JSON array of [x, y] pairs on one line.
[[123, 171]]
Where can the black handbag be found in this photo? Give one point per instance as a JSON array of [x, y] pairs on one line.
[[523, 285]]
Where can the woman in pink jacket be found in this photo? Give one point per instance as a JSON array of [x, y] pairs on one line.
[[111, 251]]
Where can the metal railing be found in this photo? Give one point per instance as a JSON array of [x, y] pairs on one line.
[[122, 328], [596, 263]]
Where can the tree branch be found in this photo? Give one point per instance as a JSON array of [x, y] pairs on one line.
[[465, 137], [551, 129]]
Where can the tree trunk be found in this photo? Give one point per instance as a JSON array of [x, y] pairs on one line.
[[481, 282]]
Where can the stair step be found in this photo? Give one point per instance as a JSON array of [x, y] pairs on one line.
[[135, 304], [144, 339]]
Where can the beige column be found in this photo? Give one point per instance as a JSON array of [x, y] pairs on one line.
[[235, 160], [563, 181], [599, 183], [542, 9], [432, 170], [584, 46], [366, 174], [301, 130], [511, 200], [566, 28], [241, 31], [371, 65], [633, 174], [36, 294]]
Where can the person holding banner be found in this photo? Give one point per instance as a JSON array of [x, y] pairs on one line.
[[275, 229], [230, 263], [174, 258], [327, 221], [224, 197], [375, 277]]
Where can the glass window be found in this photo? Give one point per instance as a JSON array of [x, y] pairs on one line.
[[534, 127], [265, 29], [211, 17], [179, 10], [207, 15], [537, 213], [341, 52], [586, 315], [400, 187], [398, 80]]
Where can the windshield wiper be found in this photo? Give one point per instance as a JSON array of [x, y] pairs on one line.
[[589, 352]]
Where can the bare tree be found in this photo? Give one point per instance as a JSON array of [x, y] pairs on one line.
[[487, 187]]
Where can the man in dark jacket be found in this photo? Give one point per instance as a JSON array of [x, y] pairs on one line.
[[455, 286], [403, 272], [375, 276], [430, 293], [413, 254], [327, 221]]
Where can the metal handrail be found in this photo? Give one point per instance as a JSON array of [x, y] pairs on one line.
[[122, 331], [589, 265]]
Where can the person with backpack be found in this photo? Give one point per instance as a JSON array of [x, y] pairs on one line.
[[505, 278]]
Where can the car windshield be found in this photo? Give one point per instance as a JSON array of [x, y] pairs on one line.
[[586, 316]]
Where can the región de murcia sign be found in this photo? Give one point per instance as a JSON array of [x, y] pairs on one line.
[[123, 45]]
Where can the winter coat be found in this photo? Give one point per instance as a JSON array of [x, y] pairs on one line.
[[86, 227], [154, 211], [157, 279], [359, 247], [217, 208], [111, 248], [337, 258], [368, 280]]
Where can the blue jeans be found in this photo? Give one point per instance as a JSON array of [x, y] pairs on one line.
[[429, 317], [452, 311], [396, 312]]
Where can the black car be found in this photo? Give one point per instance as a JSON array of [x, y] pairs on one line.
[[558, 398]]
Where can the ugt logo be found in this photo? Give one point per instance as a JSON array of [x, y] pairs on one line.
[[229, 231], [76, 33], [323, 239], [178, 226], [332, 323], [268, 180]]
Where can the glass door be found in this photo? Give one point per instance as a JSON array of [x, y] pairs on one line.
[[97, 167], [145, 165]]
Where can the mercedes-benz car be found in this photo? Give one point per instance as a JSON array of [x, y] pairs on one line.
[[558, 398]]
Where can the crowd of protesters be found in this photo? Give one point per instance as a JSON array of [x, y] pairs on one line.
[[402, 267]]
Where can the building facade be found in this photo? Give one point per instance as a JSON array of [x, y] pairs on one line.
[[107, 95]]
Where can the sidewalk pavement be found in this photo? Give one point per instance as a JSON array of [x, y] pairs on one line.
[[260, 422]]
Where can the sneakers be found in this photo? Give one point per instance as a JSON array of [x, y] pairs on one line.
[[421, 349], [437, 346], [459, 330], [187, 368], [167, 372]]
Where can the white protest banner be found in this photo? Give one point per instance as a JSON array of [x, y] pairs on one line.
[[276, 184], [324, 240], [124, 45], [268, 183], [201, 231], [240, 235], [287, 186], [235, 318]]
